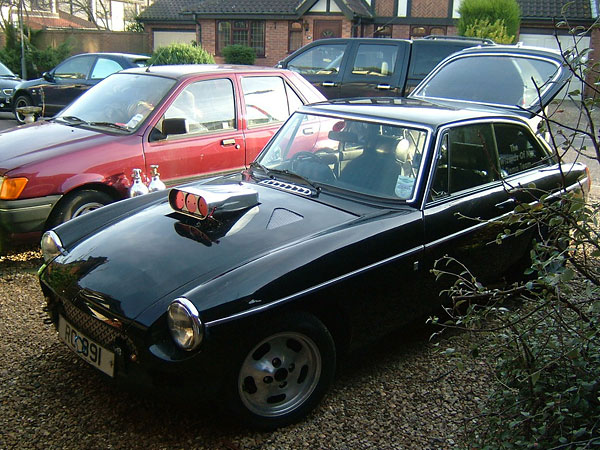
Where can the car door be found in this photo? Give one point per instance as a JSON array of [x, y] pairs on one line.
[[67, 82], [375, 69], [199, 133], [268, 100], [322, 64], [466, 194]]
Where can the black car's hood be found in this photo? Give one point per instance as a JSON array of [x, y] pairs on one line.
[[130, 264]]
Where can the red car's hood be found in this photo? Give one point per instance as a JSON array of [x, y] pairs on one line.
[[44, 140]]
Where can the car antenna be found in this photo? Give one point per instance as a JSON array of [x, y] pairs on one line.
[[160, 50]]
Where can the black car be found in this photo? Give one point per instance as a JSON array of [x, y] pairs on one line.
[[367, 67], [246, 287], [8, 81], [71, 78]]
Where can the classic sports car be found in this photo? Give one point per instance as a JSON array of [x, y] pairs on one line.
[[245, 287]]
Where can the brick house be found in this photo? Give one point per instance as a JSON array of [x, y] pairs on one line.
[[276, 28]]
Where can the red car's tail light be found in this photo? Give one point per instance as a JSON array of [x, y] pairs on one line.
[[209, 200]]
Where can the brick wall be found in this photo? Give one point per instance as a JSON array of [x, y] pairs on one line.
[[385, 8], [595, 57], [430, 8]]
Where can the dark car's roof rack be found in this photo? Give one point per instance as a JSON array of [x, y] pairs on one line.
[[441, 37]]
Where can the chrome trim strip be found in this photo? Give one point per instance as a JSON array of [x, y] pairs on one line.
[[311, 289], [287, 187]]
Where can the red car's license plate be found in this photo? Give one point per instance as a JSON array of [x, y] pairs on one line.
[[91, 352]]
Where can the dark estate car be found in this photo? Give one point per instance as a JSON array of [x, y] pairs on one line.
[[246, 287], [192, 121], [71, 78], [8, 81]]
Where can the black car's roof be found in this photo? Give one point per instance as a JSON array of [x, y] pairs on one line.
[[419, 112], [183, 70]]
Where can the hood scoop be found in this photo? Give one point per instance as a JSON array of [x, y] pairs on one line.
[[209, 201], [288, 187]]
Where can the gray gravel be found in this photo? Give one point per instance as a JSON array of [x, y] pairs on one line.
[[398, 394]]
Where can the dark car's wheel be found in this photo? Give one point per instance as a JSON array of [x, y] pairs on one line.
[[20, 101], [283, 375], [76, 204]]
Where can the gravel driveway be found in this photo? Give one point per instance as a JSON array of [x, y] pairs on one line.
[[398, 394]]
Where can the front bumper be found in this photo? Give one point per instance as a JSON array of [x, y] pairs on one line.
[[26, 216]]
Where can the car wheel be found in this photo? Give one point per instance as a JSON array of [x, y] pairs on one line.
[[284, 374], [20, 101], [77, 204]]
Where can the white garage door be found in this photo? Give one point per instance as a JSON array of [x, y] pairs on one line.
[[163, 38], [549, 41]]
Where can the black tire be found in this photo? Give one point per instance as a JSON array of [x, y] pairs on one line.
[[76, 204], [282, 374], [20, 101]]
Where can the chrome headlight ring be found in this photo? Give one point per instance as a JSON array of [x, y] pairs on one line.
[[51, 246], [184, 324]]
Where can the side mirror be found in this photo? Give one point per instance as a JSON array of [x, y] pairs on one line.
[[174, 125], [48, 76]]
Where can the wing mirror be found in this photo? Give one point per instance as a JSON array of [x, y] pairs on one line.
[[174, 125], [48, 76]]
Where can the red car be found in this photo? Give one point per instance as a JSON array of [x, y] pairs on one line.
[[193, 121]]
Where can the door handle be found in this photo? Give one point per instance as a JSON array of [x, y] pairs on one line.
[[228, 142], [506, 204], [308, 131], [385, 87], [328, 84]]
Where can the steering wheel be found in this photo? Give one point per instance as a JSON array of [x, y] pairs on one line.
[[316, 169]]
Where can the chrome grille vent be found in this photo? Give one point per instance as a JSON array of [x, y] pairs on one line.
[[101, 332], [288, 187]]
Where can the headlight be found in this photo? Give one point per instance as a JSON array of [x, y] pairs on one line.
[[51, 246], [8, 92], [184, 324]]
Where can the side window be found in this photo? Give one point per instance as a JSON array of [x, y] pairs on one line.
[[75, 69], [202, 107], [319, 60], [265, 100], [105, 67], [466, 159], [375, 60], [518, 150]]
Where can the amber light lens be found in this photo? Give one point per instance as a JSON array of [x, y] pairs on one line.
[[11, 188]]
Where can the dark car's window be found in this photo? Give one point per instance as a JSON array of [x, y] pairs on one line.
[[501, 80], [375, 60], [265, 99], [319, 60], [76, 68], [105, 67], [425, 56], [518, 150], [466, 159], [205, 106]]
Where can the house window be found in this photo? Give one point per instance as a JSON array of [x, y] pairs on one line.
[[242, 32], [383, 31], [295, 36]]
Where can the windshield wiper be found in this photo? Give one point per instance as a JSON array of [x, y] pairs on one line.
[[258, 165], [109, 125], [72, 119]]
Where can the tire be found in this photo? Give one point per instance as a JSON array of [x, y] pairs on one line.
[[76, 204], [281, 376], [21, 100]]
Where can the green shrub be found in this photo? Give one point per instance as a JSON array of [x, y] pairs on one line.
[[482, 28], [507, 11], [181, 54], [239, 54]]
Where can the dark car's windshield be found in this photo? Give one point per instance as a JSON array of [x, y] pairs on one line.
[[5, 71], [370, 158], [122, 99]]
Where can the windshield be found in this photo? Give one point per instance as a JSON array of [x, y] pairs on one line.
[[492, 79], [124, 100], [369, 158], [5, 70]]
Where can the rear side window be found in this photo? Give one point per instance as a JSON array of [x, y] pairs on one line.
[[266, 100], [75, 69], [105, 67], [427, 55], [518, 150], [375, 60], [319, 60]]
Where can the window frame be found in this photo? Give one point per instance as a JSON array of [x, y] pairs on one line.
[[219, 45]]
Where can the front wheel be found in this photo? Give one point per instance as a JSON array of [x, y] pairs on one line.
[[284, 374], [76, 204], [20, 101]]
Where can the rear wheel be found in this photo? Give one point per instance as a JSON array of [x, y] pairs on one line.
[[283, 374], [20, 101], [77, 204]]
